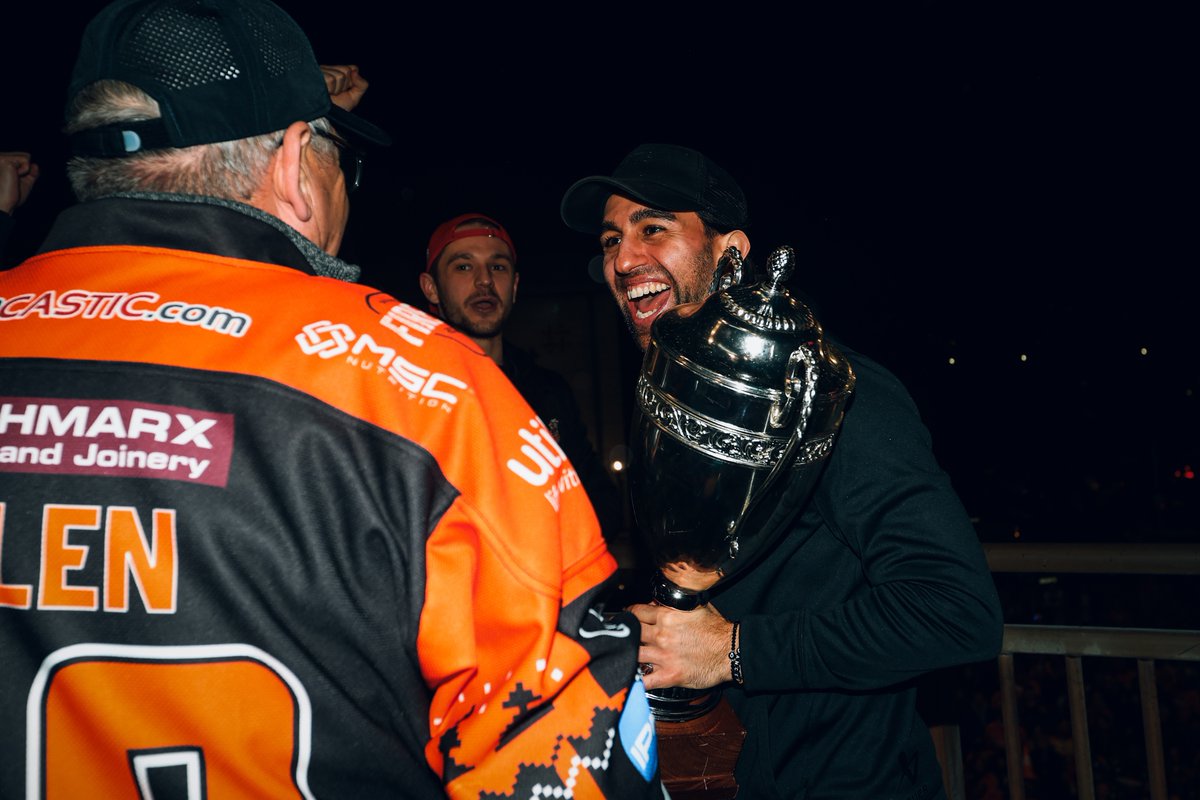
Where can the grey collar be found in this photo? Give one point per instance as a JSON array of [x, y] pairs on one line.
[[321, 262]]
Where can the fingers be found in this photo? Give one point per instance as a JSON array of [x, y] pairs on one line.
[[338, 77], [660, 669], [651, 658], [684, 648], [17, 175], [345, 84], [27, 181], [646, 614], [22, 160]]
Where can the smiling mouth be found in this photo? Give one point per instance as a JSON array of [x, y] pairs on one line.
[[648, 299]]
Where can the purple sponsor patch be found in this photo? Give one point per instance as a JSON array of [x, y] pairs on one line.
[[119, 438]]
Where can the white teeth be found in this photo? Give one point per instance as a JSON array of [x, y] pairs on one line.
[[645, 315], [643, 289]]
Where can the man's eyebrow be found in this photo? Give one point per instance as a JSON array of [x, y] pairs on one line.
[[638, 216], [651, 213]]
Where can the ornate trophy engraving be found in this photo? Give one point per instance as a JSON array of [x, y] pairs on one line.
[[738, 398]]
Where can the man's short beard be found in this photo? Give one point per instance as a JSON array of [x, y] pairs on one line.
[[706, 266], [471, 329]]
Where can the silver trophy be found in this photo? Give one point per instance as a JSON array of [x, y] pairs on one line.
[[739, 398]]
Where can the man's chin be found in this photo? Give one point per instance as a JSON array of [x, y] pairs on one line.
[[480, 328], [640, 334], [484, 332]]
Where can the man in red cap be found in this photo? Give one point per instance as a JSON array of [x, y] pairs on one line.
[[470, 281], [470, 278]]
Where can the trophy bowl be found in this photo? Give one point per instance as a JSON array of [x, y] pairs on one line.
[[734, 393]]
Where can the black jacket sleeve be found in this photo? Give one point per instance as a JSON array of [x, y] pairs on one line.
[[892, 581]]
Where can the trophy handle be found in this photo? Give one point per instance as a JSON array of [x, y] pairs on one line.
[[729, 270], [793, 386]]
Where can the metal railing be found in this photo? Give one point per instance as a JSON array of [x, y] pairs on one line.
[[1073, 643]]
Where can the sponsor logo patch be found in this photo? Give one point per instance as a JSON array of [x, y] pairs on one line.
[[326, 339], [119, 438], [133, 306]]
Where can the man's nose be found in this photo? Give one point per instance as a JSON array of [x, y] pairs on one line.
[[483, 277], [629, 256]]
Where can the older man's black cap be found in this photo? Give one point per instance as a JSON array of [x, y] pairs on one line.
[[219, 69], [663, 176]]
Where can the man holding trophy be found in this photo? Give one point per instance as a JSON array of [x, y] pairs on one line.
[[813, 559]]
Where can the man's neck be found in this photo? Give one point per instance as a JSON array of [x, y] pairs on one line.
[[494, 347]]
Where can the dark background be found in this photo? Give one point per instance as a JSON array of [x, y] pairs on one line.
[[972, 183]]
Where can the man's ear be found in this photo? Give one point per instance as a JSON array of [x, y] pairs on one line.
[[289, 172], [736, 239], [428, 287], [516, 281]]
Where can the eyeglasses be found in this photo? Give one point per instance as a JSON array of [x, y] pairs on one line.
[[350, 158]]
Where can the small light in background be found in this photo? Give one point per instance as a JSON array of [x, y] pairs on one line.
[[1024, 357], [617, 466], [952, 360], [1144, 351]]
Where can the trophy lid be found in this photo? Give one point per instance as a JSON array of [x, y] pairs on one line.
[[743, 336]]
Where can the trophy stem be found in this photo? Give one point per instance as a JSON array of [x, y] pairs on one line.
[[677, 704], [670, 594]]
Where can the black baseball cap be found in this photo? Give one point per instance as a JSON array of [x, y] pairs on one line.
[[219, 69], [667, 177]]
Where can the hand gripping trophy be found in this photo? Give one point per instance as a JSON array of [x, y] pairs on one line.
[[738, 401]]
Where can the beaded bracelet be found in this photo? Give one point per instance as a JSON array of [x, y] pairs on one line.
[[735, 656]]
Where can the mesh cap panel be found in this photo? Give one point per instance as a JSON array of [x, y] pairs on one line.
[[180, 49]]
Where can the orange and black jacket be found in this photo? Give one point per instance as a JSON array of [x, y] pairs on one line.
[[269, 534]]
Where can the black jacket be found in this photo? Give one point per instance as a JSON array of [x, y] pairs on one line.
[[880, 579]]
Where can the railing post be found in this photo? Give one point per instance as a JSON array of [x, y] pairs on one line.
[[1012, 732], [1082, 744], [1153, 728], [947, 742]]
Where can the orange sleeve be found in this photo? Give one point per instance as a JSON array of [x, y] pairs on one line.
[[518, 547]]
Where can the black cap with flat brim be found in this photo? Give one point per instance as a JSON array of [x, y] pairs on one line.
[[661, 176], [220, 70]]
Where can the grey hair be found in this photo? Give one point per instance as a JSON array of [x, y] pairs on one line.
[[230, 170]]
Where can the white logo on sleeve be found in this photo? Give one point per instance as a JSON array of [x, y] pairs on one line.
[[618, 631]]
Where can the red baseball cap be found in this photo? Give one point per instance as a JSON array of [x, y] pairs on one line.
[[445, 233]]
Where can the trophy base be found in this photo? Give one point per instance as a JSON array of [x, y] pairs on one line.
[[673, 704], [696, 756]]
